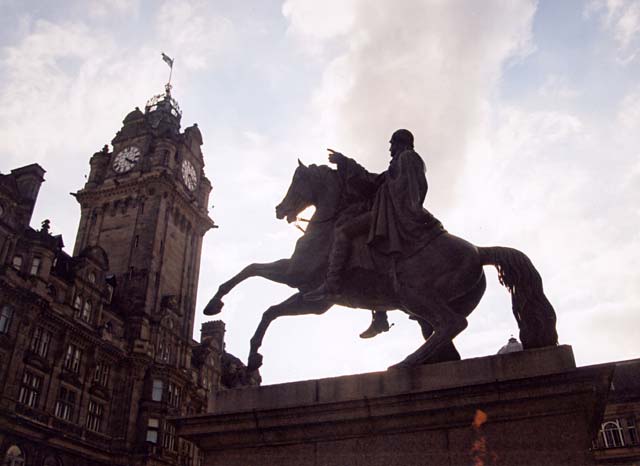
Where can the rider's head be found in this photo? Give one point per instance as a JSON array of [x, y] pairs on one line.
[[401, 140]]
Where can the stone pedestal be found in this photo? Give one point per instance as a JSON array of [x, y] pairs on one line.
[[537, 408]]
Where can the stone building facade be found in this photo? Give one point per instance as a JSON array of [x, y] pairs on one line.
[[618, 440], [96, 348]]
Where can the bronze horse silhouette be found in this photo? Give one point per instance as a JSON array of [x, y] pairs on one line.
[[438, 286]]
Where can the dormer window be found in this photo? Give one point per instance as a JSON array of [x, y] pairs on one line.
[[35, 266], [91, 277], [17, 262]]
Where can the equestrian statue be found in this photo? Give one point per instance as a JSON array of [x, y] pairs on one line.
[[372, 245]]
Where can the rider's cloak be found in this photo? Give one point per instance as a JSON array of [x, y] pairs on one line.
[[400, 225]]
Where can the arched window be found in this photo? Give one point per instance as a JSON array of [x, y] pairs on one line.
[[35, 266], [17, 262], [612, 434], [86, 311], [14, 457], [51, 461], [77, 303]]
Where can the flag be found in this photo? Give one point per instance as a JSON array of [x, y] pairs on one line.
[[167, 60]]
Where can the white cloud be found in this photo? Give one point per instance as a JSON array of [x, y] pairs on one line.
[[427, 66], [629, 111], [105, 8], [622, 18], [557, 87], [192, 30], [318, 21]]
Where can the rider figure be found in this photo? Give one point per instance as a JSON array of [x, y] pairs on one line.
[[396, 222]]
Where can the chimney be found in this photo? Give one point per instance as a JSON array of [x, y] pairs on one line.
[[213, 330], [29, 179]]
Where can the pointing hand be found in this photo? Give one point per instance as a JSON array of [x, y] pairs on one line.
[[335, 157]]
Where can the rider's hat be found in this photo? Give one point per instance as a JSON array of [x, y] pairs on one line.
[[404, 137]]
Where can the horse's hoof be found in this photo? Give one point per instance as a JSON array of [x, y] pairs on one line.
[[400, 365], [254, 363], [214, 307]]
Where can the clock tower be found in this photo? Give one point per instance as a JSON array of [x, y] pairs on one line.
[[145, 203]]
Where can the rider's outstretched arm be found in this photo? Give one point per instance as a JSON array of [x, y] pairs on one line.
[[353, 173]]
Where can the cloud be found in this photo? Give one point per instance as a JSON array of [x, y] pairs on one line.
[[193, 30], [557, 87], [622, 19], [427, 66], [105, 8], [319, 21]]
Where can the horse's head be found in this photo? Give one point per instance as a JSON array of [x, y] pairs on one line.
[[299, 196]]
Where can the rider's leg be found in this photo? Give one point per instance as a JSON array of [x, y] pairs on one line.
[[340, 252], [379, 324]]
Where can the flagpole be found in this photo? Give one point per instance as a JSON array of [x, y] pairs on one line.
[[169, 61]]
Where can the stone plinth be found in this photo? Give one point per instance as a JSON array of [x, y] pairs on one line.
[[541, 410]]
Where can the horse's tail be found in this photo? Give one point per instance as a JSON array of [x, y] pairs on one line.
[[531, 308]]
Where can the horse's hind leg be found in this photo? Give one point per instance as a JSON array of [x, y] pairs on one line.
[[447, 351], [293, 306], [446, 325]]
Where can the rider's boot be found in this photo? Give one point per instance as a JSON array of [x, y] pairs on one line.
[[379, 324], [331, 288]]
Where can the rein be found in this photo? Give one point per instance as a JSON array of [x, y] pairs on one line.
[[312, 220]]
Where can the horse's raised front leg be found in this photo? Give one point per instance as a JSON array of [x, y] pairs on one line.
[[293, 306], [275, 271]]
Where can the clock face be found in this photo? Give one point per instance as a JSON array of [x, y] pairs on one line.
[[189, 175], [126, 159]]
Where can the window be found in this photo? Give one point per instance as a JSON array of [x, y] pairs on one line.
[[40, 341], [164, 350], [17, 262], [72, 358], [65, 404], [5, 318], [173, 395], [86, 311], [153, 425], [77, 304], [190, 453], [94, 418], [30, 389], [51, 461], [169, 437], [631, 430], [156, 393], [35, 266], [14, 457], [92, 277], [101, 375], [612, 434]]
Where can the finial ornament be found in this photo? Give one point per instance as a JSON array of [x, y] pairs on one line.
[[45, 226]]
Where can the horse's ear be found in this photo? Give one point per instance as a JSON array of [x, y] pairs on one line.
[[300, 164]]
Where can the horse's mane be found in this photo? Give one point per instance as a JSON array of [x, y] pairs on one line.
[[322, 169]]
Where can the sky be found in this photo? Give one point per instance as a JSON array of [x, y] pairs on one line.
[[526, 113]]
